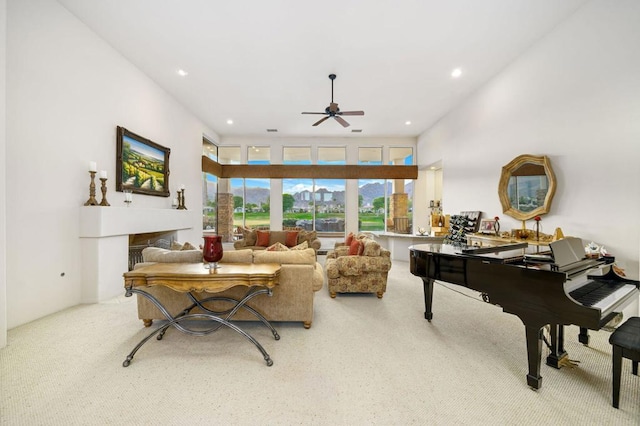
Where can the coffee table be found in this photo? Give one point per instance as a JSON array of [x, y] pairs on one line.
[[191, 278]]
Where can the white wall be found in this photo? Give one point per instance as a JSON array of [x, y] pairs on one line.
[[67, 90], [3, 176], [575, 97]]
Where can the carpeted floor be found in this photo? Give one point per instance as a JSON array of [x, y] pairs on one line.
[[364, 361]]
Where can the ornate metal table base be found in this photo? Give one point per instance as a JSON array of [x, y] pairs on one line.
[[218, 319]]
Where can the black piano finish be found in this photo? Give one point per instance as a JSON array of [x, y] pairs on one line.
[[536, 296]]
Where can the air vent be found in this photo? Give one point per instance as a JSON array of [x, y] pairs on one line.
[[272, 130], [356, 130]]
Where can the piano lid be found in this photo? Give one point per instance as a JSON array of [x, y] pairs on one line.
[[499, 254]]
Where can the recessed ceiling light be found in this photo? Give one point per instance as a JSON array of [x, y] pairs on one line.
[[407, 122], [356, 130], [229, 121], [456, 73], [272, 130], [182, 73]]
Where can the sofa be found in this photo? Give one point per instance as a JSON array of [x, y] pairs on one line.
[[360, 267], [257, 239], [292, 300]]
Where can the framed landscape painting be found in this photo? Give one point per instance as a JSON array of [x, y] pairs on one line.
[[142, 166]]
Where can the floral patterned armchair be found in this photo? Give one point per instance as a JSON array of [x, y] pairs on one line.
[[363, 271]]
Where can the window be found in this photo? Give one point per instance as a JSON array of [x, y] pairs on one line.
[[297, 203], [209, 190], [250, 197], [370, 156], [229, 192], [297, 194], [314, 204], [236, 188], [401, 156], [372, 199], [296, 155], [400, 201], [257, 192], [332, 156], [329, 194], [209, 149], [371, 193]]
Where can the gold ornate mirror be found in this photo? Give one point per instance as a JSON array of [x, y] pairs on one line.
[[527, 186]]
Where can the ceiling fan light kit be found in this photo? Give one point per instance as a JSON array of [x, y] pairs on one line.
[[333, 111]]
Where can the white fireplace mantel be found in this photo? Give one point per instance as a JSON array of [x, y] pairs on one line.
[[104, 235], [96, 222]]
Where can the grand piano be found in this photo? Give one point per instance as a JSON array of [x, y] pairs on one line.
[[587, 293]]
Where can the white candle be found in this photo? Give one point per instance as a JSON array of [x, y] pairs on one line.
[[93, 166], [103, 174], [175, 202], [127, 196], [182, 187]]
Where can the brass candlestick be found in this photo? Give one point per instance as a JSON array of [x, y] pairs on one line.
[[92, 191], [181, 205], [103, 188]]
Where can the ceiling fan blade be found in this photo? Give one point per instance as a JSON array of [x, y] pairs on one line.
[[314, 113], [351, 113], [320, 121], [341, 121]]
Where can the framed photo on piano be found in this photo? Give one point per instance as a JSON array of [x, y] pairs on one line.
[[487, 226]]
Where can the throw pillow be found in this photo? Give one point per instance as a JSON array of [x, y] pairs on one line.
[[249, 236], [277, 247], [176, 246], [156, 254], [356, 248], [187, 246], [302, 246], [308, 236], [262, 238], [291, 239], [349, 238], [371, 248], [237, 256], [300, 257]]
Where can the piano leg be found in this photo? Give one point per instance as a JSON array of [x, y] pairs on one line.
[[534, 355], [558, 354], [428, 298], [583, 337]]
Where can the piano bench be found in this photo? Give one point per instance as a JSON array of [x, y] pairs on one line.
[[626, 344]]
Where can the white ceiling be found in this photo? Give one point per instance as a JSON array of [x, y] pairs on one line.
[[261, 63]]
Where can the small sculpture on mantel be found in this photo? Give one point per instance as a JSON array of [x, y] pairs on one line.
[[558, 234], [592, 250]]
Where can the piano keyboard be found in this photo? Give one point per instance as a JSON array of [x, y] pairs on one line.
[[602, 293]]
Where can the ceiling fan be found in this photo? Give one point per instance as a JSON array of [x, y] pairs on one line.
[[333, 111]]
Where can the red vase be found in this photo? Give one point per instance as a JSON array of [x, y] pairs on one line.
[[212, 250]]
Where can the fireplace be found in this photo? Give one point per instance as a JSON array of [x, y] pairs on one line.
[[106, 234], [138, 242]]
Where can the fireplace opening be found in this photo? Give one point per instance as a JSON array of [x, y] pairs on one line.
[[138, 242]]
